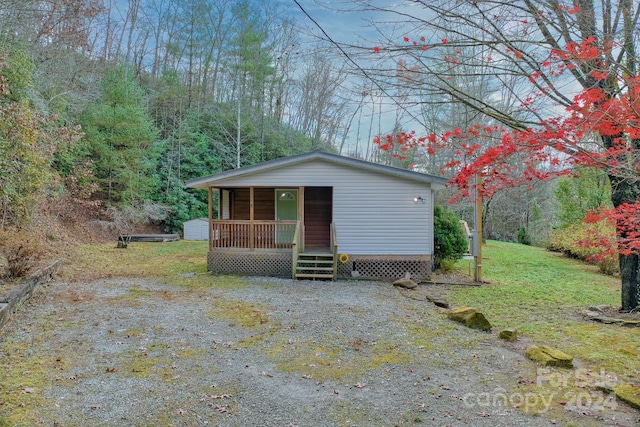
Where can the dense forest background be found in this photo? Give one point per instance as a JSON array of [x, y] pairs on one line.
[[110, 103], [114, 105]]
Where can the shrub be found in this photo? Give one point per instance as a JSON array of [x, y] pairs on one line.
[[21, 251], [523, 237], [447, 265], [449, 239], [594, 242]]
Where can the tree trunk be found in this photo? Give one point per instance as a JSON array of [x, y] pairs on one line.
[[629, 264], [625, 191], [630, 276]]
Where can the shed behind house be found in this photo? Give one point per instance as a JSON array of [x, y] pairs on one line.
[[196, 229]]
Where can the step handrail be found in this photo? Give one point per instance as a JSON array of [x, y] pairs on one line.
[[295, 248], [334, 248]]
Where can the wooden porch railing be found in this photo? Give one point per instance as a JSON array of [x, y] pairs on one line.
[[256, 235]]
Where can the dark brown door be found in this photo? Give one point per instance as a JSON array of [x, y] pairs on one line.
[[318, 214]]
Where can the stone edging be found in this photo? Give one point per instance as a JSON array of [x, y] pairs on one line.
[[596, 315], [19, 295]]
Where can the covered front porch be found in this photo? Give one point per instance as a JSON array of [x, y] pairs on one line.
[[284, 231]]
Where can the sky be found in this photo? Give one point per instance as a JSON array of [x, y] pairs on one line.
[[337, 20]]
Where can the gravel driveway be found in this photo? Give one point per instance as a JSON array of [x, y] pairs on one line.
[[262, 352]]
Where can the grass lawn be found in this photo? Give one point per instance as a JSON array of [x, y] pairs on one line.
[[542, 294], [184, 262]]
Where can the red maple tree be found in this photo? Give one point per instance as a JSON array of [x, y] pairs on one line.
[[556, 49]]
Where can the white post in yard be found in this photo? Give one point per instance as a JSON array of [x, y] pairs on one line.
[[477, 275]]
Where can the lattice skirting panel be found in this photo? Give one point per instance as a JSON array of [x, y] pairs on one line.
[[250, 263], [385, 268]]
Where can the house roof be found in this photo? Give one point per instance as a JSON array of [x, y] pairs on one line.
[[210, 180]]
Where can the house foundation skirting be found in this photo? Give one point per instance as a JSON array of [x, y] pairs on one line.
[[279, 264], [250, 263], [387, 267]]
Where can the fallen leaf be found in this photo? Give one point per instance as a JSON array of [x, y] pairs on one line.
[[222, 396], [112, 369], [335, 391], [27, 390]]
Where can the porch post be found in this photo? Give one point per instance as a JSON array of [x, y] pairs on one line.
[[301, 215], [251, 219], [210, 200]]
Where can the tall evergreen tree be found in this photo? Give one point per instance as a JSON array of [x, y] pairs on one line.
[[120, 139]]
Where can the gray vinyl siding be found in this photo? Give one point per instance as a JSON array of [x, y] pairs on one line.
[[196, 229], [374, 213]]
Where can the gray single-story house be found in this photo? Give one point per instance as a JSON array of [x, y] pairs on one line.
[[320, 215], [196, 229]]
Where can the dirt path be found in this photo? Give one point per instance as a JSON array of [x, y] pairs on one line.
[[263, 352]]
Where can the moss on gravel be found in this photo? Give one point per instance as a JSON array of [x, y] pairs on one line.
[[353, 414], [23, 378], [239, 313], [629, 394], [333, 360]]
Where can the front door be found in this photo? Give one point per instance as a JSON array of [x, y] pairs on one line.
[[286, 210], [318, 207]]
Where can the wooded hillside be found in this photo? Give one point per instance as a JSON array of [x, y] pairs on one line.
[[113, 103]]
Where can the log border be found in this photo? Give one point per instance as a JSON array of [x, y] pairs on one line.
[[18, 296]]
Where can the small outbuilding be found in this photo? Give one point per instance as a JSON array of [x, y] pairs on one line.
[[196, 229], [321, 215]]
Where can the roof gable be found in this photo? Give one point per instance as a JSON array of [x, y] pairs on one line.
[[210, 180]]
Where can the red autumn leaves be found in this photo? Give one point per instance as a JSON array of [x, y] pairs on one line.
[[507, 157]]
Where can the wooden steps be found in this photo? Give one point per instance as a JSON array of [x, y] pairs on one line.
[[314, 266]]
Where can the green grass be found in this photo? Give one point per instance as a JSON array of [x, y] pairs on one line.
[[542, 294], [168, 261]]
